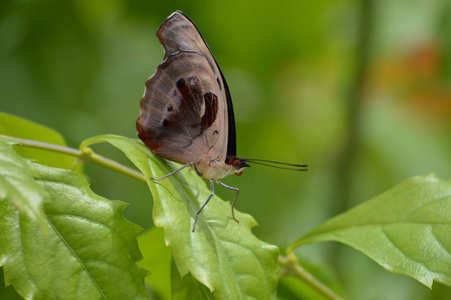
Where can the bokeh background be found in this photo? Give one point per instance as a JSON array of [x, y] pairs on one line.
[[359, 90]]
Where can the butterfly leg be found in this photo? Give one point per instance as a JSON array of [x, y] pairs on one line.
[[236, 196], [173, 172], [212, 188]]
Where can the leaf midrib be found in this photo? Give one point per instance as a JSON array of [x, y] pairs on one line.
[[66, 244]]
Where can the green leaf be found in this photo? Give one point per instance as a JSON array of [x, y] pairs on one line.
[[21, 128], [9, 292], [157, 259], [222, 254], [405, 230], [17, 184], [188, 287], [88, 251]]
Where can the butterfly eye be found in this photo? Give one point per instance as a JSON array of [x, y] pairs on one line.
[[236, 164]]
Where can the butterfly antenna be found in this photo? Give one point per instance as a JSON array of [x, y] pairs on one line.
[[278, 165]]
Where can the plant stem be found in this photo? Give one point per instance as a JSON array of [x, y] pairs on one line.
[[86, 156], [291, 267], [355, 96]]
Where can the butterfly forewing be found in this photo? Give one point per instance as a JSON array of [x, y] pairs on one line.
[[179, 33], [184, 110]]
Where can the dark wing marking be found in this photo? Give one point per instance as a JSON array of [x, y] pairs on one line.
[[191, 40], [179, 111]]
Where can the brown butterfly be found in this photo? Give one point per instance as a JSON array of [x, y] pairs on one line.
[[187, 113]]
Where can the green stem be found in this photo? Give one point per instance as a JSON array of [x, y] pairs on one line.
[[291, 267], [355, 97], [86, 156], [346, 162]]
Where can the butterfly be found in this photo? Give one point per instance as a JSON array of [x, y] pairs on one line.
[[187, 112]]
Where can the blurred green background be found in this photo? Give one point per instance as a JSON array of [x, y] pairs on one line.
[[358, 90]]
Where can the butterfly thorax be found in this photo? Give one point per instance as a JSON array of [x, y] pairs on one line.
[[216, 169]]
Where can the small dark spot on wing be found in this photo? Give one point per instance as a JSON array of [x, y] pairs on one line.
[[180, 83], [165, 122]]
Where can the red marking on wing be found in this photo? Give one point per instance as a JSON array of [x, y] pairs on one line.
[[185, 91], [211, 110], [147, 138]]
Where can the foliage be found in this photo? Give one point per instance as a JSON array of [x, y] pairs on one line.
[[223, 255], [17, 184], [55, 225], [86, 249], [405, 230]]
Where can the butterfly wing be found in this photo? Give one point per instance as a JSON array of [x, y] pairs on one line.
[[185, 111], [187, 37]]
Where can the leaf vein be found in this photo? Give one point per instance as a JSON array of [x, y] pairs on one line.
[[77, 258]]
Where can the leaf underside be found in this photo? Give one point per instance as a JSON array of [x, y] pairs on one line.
[[221, 254], [17, 185], [406, 229]]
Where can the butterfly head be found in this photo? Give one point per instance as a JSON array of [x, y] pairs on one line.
[[238, 164]]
